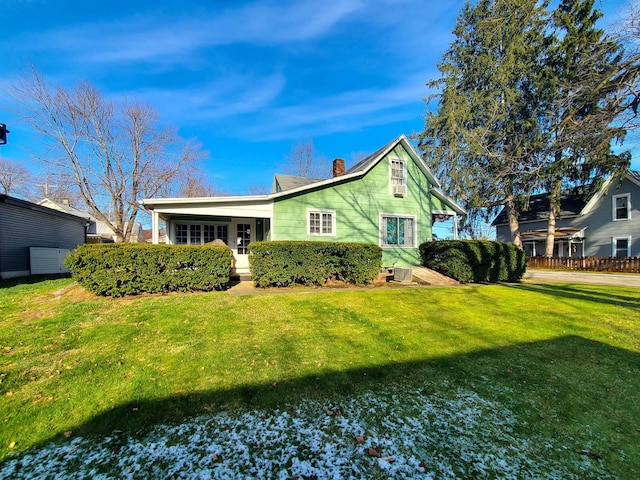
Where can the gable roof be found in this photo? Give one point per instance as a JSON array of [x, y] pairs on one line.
[[364, 166], [282, 183], [16, 202], [299, 185], [572, 204], [65, 208]]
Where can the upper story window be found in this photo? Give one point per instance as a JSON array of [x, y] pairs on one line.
[[622, 207], [398, 177], [321, 222]]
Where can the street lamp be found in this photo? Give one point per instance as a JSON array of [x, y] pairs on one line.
[[3, 134]]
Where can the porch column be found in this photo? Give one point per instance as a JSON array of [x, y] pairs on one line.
[[455, 226], [155, 233]]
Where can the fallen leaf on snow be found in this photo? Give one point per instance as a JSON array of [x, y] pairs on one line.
[[373, 452]]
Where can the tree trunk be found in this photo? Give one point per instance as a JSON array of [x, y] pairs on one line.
[[554, 209], [514, 226]]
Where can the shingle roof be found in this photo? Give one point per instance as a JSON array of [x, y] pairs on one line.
[[367, 161], [571, 204], [282, 183]]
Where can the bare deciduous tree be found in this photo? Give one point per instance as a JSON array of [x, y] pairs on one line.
[[302, 162], [116, 152], [255, 189], [14, 178], [193, 184]]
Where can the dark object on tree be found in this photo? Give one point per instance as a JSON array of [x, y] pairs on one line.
[[3, 134]]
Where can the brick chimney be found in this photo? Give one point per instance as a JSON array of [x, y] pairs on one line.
[[338, 167]]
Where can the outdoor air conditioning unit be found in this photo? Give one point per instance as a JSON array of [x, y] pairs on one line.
[[399, 190], [402, 274]]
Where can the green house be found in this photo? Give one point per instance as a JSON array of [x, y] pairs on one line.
[[389, 199]]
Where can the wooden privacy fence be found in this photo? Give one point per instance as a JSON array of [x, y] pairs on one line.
[[595, 264]]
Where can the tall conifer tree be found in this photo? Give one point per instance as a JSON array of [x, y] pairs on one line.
[[482, 138], [581, 93]]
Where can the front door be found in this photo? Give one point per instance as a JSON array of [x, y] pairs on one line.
[[243, 232]]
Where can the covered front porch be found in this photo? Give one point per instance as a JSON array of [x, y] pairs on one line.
[[568, 242], [234, 221]]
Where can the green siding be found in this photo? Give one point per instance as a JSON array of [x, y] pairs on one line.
[[358, 204]]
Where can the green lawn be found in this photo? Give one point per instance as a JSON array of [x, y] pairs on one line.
[[564, 359]]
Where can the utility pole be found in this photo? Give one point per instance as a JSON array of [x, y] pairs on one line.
[[46, 186]]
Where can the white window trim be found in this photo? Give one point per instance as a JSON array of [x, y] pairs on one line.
[[391, 177], [613, 206], [321, 211], [614, 240], [383, 232], [174, 230]]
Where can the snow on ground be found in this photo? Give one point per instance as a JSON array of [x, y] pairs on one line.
[[382, 434]]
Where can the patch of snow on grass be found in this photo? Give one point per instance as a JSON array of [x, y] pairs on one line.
[[403, 434]]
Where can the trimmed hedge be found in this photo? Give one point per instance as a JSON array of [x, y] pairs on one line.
[[285, 263], [475, 260], [131, 268]]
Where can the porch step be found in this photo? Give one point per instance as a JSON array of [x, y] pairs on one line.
[[240, 277]]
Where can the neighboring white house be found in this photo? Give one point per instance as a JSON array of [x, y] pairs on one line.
[[99, 231]]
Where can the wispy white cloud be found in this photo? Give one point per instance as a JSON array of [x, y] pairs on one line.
[[173, 39], [343, 112], [221, 100]]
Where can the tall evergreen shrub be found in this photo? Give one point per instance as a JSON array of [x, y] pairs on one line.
[[475, 260]]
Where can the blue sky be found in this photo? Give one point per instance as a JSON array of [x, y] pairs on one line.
[[247, 79]]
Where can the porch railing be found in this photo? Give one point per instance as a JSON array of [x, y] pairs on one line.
[[594, 264]]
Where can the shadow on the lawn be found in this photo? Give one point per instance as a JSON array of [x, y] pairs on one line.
[[573, 291], [570, 378], [31, 279]]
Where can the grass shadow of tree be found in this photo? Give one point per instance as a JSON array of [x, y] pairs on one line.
[[554, 384], [573, 291]]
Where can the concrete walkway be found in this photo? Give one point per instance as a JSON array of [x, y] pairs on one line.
[[431, 277], [561, 276]]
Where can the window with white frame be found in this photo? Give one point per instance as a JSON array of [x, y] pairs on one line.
[[198, 233], [397, 173], [621, 247], [622, 206], [321, 222], [398, 230]]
